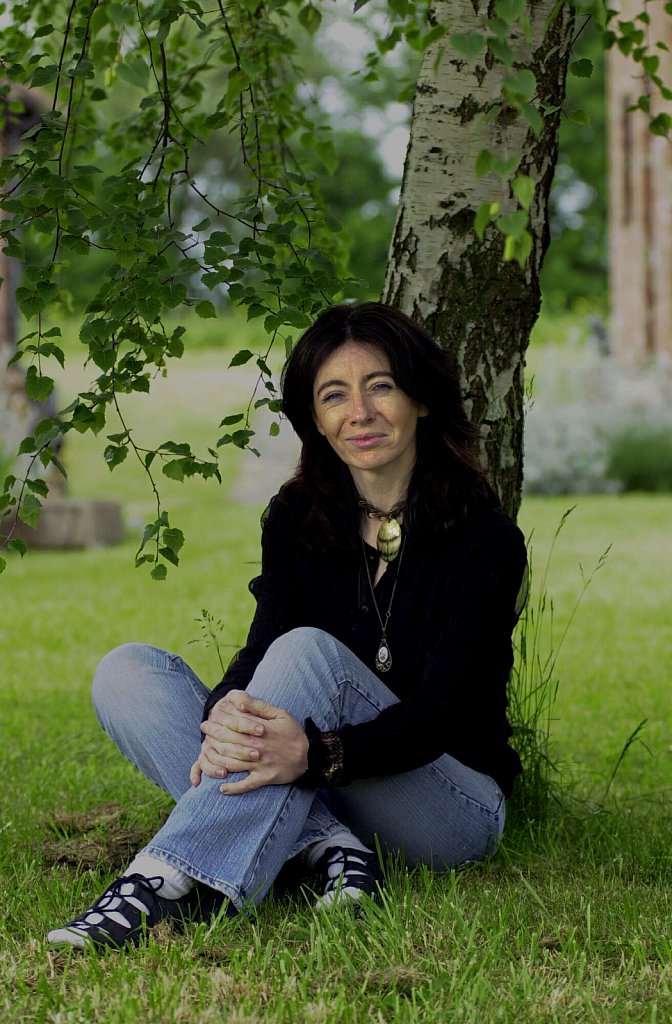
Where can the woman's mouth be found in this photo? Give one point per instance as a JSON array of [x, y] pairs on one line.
[[365, 440]]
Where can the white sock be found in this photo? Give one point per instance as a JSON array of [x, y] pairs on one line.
[[175, 882], [344, 838]]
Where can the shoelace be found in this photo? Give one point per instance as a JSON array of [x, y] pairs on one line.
[[345, 867], [113, 899]]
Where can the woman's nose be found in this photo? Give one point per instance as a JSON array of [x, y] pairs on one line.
[[361, 410]]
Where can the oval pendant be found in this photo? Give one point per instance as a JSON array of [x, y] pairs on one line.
[[388, 540], [383, 658]]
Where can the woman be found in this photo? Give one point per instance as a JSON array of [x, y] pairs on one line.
[[370, 698]]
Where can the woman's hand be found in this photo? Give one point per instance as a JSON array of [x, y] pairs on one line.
[[243, 734]]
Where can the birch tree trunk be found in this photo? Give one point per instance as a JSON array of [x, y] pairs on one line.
[[479, 307]]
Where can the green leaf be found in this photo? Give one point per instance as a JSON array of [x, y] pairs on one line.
[[518, 247], [504, 168], [520, 88], [512, 223], [27, 446], [3, 565], [175, 448], [483, 163], [29, 510], [151, 530], [37, 487], [581, 68], [660, 124], [438, 32], [37, 386], [255, 309], [241, 357], [310, 18], [44, 75], [469, 44], [174, 470], [509, 10], [580, 116], [523, 188], [159, 572], [206, 310], [114, 455], [651, 64], [274, 428], [18, 545], [135, 71], [482, 219], [501, 50], [359, 4], [173, 539], [169, 555], [533, 118], [43, 30], [228, 421]]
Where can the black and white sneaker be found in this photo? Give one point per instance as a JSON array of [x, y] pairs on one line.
[[343, 874], [123, 914]]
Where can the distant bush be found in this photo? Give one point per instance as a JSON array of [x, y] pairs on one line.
[[640, 459], [596, 426], [565, 451]]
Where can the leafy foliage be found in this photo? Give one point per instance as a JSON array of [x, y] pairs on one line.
[[177, 75]]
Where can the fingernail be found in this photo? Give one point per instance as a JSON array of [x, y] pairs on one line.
[[259, 729], [254, 754]]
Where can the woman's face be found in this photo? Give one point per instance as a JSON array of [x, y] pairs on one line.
[[367, 419]]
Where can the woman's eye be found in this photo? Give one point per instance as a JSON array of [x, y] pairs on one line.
[[382, 386], [331, 396]]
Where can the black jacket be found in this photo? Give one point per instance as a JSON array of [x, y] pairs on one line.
[[449, 632]]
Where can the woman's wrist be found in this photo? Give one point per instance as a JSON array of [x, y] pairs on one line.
[[325, 758]]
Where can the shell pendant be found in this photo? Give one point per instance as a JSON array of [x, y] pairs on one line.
[[383, 657], [388, 540]]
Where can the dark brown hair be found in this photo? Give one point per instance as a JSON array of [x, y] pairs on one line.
[[446, 483]]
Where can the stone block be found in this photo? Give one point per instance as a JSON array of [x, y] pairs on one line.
[[73, 523]]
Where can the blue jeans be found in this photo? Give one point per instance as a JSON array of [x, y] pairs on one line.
[[151, 704]]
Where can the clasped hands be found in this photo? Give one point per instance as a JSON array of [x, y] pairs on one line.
[[243, 734]]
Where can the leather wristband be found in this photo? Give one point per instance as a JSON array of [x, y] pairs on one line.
[[325, 758]]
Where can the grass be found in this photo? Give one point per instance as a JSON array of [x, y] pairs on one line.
[[571, 921]]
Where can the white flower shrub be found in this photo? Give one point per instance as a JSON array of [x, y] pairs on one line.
[[581, 401]]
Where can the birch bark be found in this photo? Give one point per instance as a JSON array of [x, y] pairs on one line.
[[480, 308]]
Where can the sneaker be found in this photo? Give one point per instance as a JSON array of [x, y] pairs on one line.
[[123, 914], [344, 874]]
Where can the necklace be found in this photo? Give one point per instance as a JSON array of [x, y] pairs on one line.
[[383, 654], [388, 540]]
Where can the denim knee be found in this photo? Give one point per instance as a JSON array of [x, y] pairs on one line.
[[303, 663], [300, 642], [116, 678]]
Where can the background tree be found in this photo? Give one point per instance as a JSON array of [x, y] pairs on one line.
[[483, 143]]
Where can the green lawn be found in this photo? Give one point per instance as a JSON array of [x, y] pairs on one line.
[[570, 922]]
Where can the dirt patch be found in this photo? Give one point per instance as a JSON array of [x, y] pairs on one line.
[[102, 837]]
